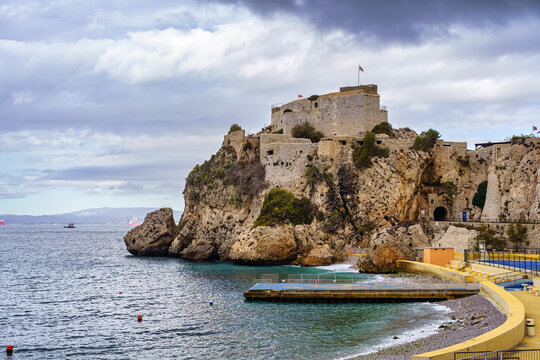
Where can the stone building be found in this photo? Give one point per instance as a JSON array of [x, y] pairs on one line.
[[352, 110]]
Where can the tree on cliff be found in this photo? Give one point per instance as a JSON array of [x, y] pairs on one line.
[[362, 154], [234, 127], [490, 237], [307, 131], [479, 198], [426, 140], [517, 235]]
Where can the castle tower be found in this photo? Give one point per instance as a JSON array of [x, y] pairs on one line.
[[492, 207], [352, 110]]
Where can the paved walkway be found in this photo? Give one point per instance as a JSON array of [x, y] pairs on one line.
[[532, 311]]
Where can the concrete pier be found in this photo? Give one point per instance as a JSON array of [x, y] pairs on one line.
[[358, 292]]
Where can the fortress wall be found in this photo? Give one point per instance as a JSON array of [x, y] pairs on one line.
[[235, 139], [286, 162]]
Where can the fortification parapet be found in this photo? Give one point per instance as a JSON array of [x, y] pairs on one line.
[[235, 139]]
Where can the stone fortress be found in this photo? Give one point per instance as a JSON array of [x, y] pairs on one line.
[[344, 117]]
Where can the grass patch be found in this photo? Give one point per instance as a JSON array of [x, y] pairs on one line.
[[280, 207]]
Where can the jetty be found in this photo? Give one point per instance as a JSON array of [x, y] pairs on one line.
[[357, 292]]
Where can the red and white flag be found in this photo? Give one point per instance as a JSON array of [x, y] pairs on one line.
[[534, 128], [360, 68], [300, 96]]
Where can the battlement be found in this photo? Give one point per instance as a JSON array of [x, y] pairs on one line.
[[368, 89], [351, 111]]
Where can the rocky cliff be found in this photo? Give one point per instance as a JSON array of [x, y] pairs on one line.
[[383, 208]]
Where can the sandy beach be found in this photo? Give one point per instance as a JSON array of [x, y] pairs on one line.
[[470, 317]]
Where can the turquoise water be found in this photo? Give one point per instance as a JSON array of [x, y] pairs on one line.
[[60, 298]]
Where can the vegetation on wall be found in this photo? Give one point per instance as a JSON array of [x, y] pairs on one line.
[[450, 188], [517, 235], [479, 198], [307, 131], [313, 97], [287, 110], [280, 207], [234, 127], [280, 131], [520, 139], [246, 176], [426, 140], [314, 175], [383, 128], [364, 153]]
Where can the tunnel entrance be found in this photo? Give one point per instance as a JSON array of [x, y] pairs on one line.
[[440, 214]]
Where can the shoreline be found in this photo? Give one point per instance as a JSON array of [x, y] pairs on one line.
[[469, 317]]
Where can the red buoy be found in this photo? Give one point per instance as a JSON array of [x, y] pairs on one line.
[[9, 349], [120, 292], [139, 318]]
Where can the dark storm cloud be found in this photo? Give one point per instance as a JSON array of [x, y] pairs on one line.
[[397, 20]]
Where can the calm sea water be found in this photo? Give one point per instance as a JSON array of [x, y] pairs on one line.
[[60, 298]]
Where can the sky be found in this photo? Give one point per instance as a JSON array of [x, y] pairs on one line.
[[112, 103]]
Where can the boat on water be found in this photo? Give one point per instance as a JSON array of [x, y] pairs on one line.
[[134, 222], [69, 226], [2, 222]]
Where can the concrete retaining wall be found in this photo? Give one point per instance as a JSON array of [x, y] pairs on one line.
[[439, 271]]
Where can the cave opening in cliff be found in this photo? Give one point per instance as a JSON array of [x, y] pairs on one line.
[[440, 214]]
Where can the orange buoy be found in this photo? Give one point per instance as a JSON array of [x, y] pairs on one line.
[[139, 318], [9, 349]]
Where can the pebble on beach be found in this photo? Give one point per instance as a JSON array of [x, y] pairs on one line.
[[469, 317]]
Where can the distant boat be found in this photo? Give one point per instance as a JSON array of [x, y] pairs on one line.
[[69, 226], [2, 222], [134, 222]]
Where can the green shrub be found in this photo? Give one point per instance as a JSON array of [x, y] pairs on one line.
[[287, 110], [234, 127], [450, 188], [479, 198], [280, 131], [313, 97], [307, 131], [280, 207], [247, 177], [426, 140], [383, 128], [364, 153], [314, 175], [517, 235]]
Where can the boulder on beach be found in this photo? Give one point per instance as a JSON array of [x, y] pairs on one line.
[[154, 236]]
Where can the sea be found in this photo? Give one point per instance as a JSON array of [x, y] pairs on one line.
[[76, 294]]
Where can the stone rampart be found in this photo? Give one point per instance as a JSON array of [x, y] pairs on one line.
[[235, 139]]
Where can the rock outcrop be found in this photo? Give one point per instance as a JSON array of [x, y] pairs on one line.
[[459, 238], [392, 244], [154, 236]]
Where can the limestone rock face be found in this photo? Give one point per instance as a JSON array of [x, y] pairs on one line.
[[265, 245], [392, 244], [459, 238], [154, 236]]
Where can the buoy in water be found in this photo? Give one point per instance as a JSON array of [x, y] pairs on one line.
[[139, 318], [119, 292], [211, 303], [9, 349]]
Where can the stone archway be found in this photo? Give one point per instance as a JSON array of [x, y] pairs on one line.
[[440, 213]]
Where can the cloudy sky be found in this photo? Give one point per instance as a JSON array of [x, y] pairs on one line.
[[111, 103]]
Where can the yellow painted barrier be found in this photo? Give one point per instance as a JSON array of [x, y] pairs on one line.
[[448, 274], [505, 337]]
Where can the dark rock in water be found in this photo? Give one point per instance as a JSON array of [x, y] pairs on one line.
[[154, 236]]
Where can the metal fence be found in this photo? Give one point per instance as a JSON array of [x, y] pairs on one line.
[[451, 218], [533, 354], [527, 263], [351, 278]]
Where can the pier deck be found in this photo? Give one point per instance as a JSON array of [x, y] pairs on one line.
[[302, 292]]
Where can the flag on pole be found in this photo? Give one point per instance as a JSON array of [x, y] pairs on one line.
[[534, 128], [300, 96], [360, 68]]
